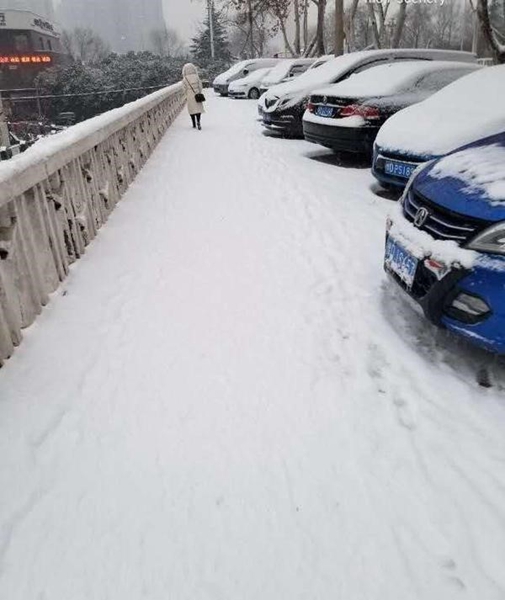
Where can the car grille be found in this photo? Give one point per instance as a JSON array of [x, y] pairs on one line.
[[442, 223]]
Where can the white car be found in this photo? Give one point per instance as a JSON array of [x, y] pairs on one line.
[[465, 111], [286, 70], [249, 86], [239, 71]]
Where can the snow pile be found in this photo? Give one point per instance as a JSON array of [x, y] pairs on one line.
[[480, 169], [471, 108], [385, 80]]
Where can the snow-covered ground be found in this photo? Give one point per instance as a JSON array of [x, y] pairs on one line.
[[226, 400]]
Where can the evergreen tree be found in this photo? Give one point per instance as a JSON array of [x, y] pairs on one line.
[[201, 46]]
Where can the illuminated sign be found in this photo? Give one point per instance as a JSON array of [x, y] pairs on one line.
[[26, 59]]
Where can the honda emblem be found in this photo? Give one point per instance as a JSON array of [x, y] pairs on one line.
[[421, 215]]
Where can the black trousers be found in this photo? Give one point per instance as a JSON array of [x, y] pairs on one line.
[[195, 119]]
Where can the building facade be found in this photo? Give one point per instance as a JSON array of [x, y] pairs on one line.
[[29, 44]]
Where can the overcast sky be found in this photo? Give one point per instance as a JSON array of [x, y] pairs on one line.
[[184, 15]]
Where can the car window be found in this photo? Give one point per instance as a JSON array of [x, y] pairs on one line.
[[296, 69], [361, 68], [433, 82]]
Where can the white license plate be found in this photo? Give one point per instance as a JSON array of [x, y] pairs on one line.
[[399, 261], [398, 169], [324, 111]]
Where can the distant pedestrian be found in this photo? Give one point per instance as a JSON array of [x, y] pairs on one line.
[[194, 93]]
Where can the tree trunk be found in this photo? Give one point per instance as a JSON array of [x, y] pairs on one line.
[[400, 22], [339, 27], [349, 26], [286, 40], [310, 47], [305, 26], [321, 11], [375, 29], [298, 41], [250, 19], [488, 33]]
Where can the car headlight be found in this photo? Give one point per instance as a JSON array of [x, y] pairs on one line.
[[491, 240], [285, 101]]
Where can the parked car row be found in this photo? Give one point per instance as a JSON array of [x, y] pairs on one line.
[[433, 125]]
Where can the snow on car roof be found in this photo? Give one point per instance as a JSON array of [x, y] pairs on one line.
[[333, 69], [468, 109], [237, 67], [480, 169], [388, 79], [254, 76], [281, 71]]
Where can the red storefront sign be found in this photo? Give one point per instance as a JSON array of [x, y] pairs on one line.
[[24, 59]]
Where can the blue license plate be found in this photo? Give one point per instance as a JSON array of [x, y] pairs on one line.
[[400, 262], [398, 168], [324, 111]]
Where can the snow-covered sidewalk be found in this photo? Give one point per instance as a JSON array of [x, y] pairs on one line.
[[225, 401]]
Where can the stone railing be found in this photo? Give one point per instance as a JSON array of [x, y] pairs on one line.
[[55, 196]]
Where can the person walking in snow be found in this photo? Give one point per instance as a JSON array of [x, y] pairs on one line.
[[194, 94]]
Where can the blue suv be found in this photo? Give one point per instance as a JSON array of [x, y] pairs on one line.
[[445, 247]]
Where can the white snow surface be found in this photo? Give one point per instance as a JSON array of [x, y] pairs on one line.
[[480, 168], [227, 399], [385, 80], [469, 109]]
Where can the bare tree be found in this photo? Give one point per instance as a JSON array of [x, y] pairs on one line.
[[321, 13], [166, 42], [494, 38], [339, 27], [84, 45]]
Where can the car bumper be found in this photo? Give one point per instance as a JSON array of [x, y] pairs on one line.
[[221, 89], [286, 123], [237, 94], [438, 298], [358, 140]]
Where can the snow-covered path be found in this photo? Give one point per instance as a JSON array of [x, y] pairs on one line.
[[224, 401]]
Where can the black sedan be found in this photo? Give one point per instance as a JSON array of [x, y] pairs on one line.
[[347, 116]]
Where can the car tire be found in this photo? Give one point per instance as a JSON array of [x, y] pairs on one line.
[[254, 94]]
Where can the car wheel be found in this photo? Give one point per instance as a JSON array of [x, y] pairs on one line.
[[254, 94]]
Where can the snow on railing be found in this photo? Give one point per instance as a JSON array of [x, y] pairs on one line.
[[55, 196]]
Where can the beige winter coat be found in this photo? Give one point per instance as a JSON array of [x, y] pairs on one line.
[[193, 86]]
